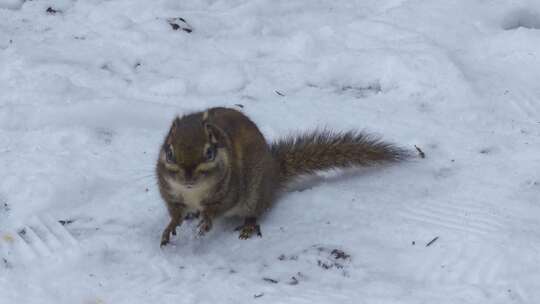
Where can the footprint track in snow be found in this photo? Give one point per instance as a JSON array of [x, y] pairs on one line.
[[526, 104], [41, 238], [469, 264], [459, 215], [476, 259]]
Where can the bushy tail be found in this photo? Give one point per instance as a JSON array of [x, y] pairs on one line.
[[323, 150]]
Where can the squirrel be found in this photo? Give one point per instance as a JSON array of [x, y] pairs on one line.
[[217, 163]]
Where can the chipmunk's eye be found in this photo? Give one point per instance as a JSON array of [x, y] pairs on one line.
[[210, 153], [169, 154]]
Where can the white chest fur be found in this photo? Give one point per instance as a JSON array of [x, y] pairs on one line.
[[192, 196]]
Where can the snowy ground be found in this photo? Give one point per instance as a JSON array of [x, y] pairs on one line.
[[88, 89]]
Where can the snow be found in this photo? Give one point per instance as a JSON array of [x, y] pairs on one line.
[[89, 89], [11, 4]]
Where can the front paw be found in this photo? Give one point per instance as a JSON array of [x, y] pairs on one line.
[[204, 226], [248, 230], [165, 237]]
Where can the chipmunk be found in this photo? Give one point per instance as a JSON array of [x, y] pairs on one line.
[[218, 163]]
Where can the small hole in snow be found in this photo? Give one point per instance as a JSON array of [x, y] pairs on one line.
[[521, 18]]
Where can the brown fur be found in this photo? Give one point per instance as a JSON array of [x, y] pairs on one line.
[[323, 150], [247, 173]]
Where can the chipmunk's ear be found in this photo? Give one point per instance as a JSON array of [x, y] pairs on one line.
[[172, 131], [213, 132]]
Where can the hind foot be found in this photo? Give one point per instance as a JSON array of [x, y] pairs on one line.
[[249, 228]]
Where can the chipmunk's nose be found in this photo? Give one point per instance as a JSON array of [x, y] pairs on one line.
[[188, 176], [189, 183]]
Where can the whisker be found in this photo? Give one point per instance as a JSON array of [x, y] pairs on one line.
[[143, 177], [137, 171]]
